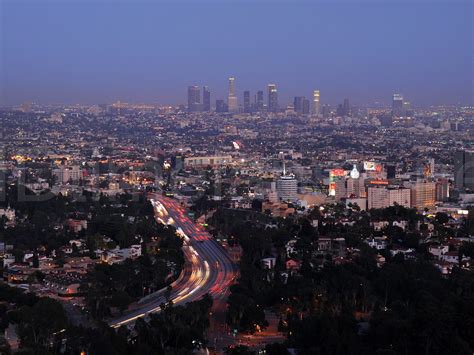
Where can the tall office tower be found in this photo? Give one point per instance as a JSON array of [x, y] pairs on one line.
[[464, 170], [316, 103], [206, 99], [298, 103], [407, 108], [259, 100], [305, 106], [423, 194], [194, 98], [221, 106], [247, 107], [287, 188], [346, 107], [232, 99], [272, 98], [397, 105]]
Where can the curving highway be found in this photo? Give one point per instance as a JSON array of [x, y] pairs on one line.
[[208, 268]]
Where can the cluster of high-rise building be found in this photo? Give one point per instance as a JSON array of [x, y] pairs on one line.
[[301, 105], [401, 110], [195, 104]]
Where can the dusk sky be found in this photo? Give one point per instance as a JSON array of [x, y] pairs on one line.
[[143, 51]]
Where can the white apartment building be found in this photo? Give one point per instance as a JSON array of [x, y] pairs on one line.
[[382, 197], [65, 174], [204, 161]]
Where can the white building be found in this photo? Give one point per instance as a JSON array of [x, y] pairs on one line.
[[232, 98], [438, 250], [382, 197], [204, 161], [290, 247], [378, 243], [268, 263], [65, 174], [287, 188], [8, 212], [316, 103], [118, 255]]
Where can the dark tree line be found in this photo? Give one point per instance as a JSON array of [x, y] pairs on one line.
[[44, 328], [116, 286], [404, 307]]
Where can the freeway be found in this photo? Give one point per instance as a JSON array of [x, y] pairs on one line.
[[208, 268]]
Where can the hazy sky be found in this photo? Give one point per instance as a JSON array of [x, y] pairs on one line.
[[150, 51]]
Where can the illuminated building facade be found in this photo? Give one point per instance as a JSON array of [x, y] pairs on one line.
[[316, 103], [335, 176], [232, 99], [423, 194], [205, 161], [397, 105], [287, 188], [383, 196], [66, 174], [272, 98]]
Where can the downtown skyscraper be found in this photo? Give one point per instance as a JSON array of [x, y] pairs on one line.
[[397, 105], [194, 98], [316, 103], [272, 98], [346, 108], [259, 101], [298, 104], [232, 98], [206, 99], [247, 106], [301, 105], [464, 170]]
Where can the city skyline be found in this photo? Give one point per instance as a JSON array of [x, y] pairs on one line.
[[141, 52], [207, 100]]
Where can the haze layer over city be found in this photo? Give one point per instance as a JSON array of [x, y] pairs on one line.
[[236, 177]]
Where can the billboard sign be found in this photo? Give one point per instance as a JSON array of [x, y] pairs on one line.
[[337, 172], [369, 166]]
